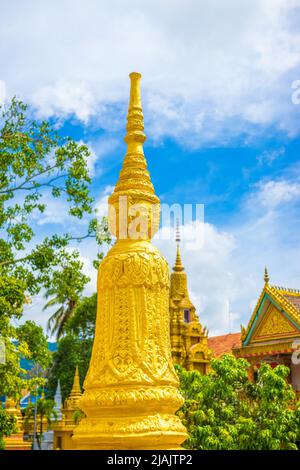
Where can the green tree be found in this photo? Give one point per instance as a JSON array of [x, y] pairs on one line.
[[7, 426], [27, 341], [37, 166], [225, 410], [74, 348], [65, 291], [82, 323], [45, 411]]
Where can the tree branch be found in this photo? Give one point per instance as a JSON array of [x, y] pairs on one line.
[[27, 180]]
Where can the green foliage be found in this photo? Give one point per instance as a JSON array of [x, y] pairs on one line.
[[45, 409], [7, 426], [77, 416], [67, 286], [32, 338], [71, 351], [225, 410], [28, 341], [74, 348], [12, 298], [82, 323], [38, 166]]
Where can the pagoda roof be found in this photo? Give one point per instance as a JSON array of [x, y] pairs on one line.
[[223, 344], [286, 299]]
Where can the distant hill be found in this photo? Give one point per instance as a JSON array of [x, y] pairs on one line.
[[28, 364]]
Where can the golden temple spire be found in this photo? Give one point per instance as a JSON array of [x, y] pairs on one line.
[[76, 390], [131, 388], [178, 264], [75, 394], [266, 276]]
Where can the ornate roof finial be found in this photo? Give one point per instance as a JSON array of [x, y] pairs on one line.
[[178, 264], [266, 276]]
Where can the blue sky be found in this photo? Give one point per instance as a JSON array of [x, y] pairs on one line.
[[221, 123]]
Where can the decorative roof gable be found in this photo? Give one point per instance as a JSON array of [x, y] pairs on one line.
[[274, 325], [276, 315]]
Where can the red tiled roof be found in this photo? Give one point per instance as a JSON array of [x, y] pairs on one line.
[[223, 344]]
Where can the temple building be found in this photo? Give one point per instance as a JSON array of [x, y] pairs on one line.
[[189, 341], [64, 427], [273, 332]]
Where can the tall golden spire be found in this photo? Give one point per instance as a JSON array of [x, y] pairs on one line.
[[75, 394], [188, 338], [131, 388], [76, 390], [178, 264]]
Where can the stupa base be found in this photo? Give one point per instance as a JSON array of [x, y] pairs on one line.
[[157, 432], [16, 442]]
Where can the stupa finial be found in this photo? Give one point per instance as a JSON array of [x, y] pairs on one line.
[[134, 187], [76, 390], [135, 119], [75, 394], [177, 237], [266, 276], [178, 264], [58, 402]]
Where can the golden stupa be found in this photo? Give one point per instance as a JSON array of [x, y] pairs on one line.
[[131, 388], [63, 428], [16, 440]]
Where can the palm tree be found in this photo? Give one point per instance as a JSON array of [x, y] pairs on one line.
[[57, 321], [45, 409], [67, 287]]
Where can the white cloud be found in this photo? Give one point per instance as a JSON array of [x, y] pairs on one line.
[[56, 211], [212, 70], [226, 273], [100, 148], [102, 202], [97, 150], [63, 99], [210, 279], [271, 194], [268, 157]]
